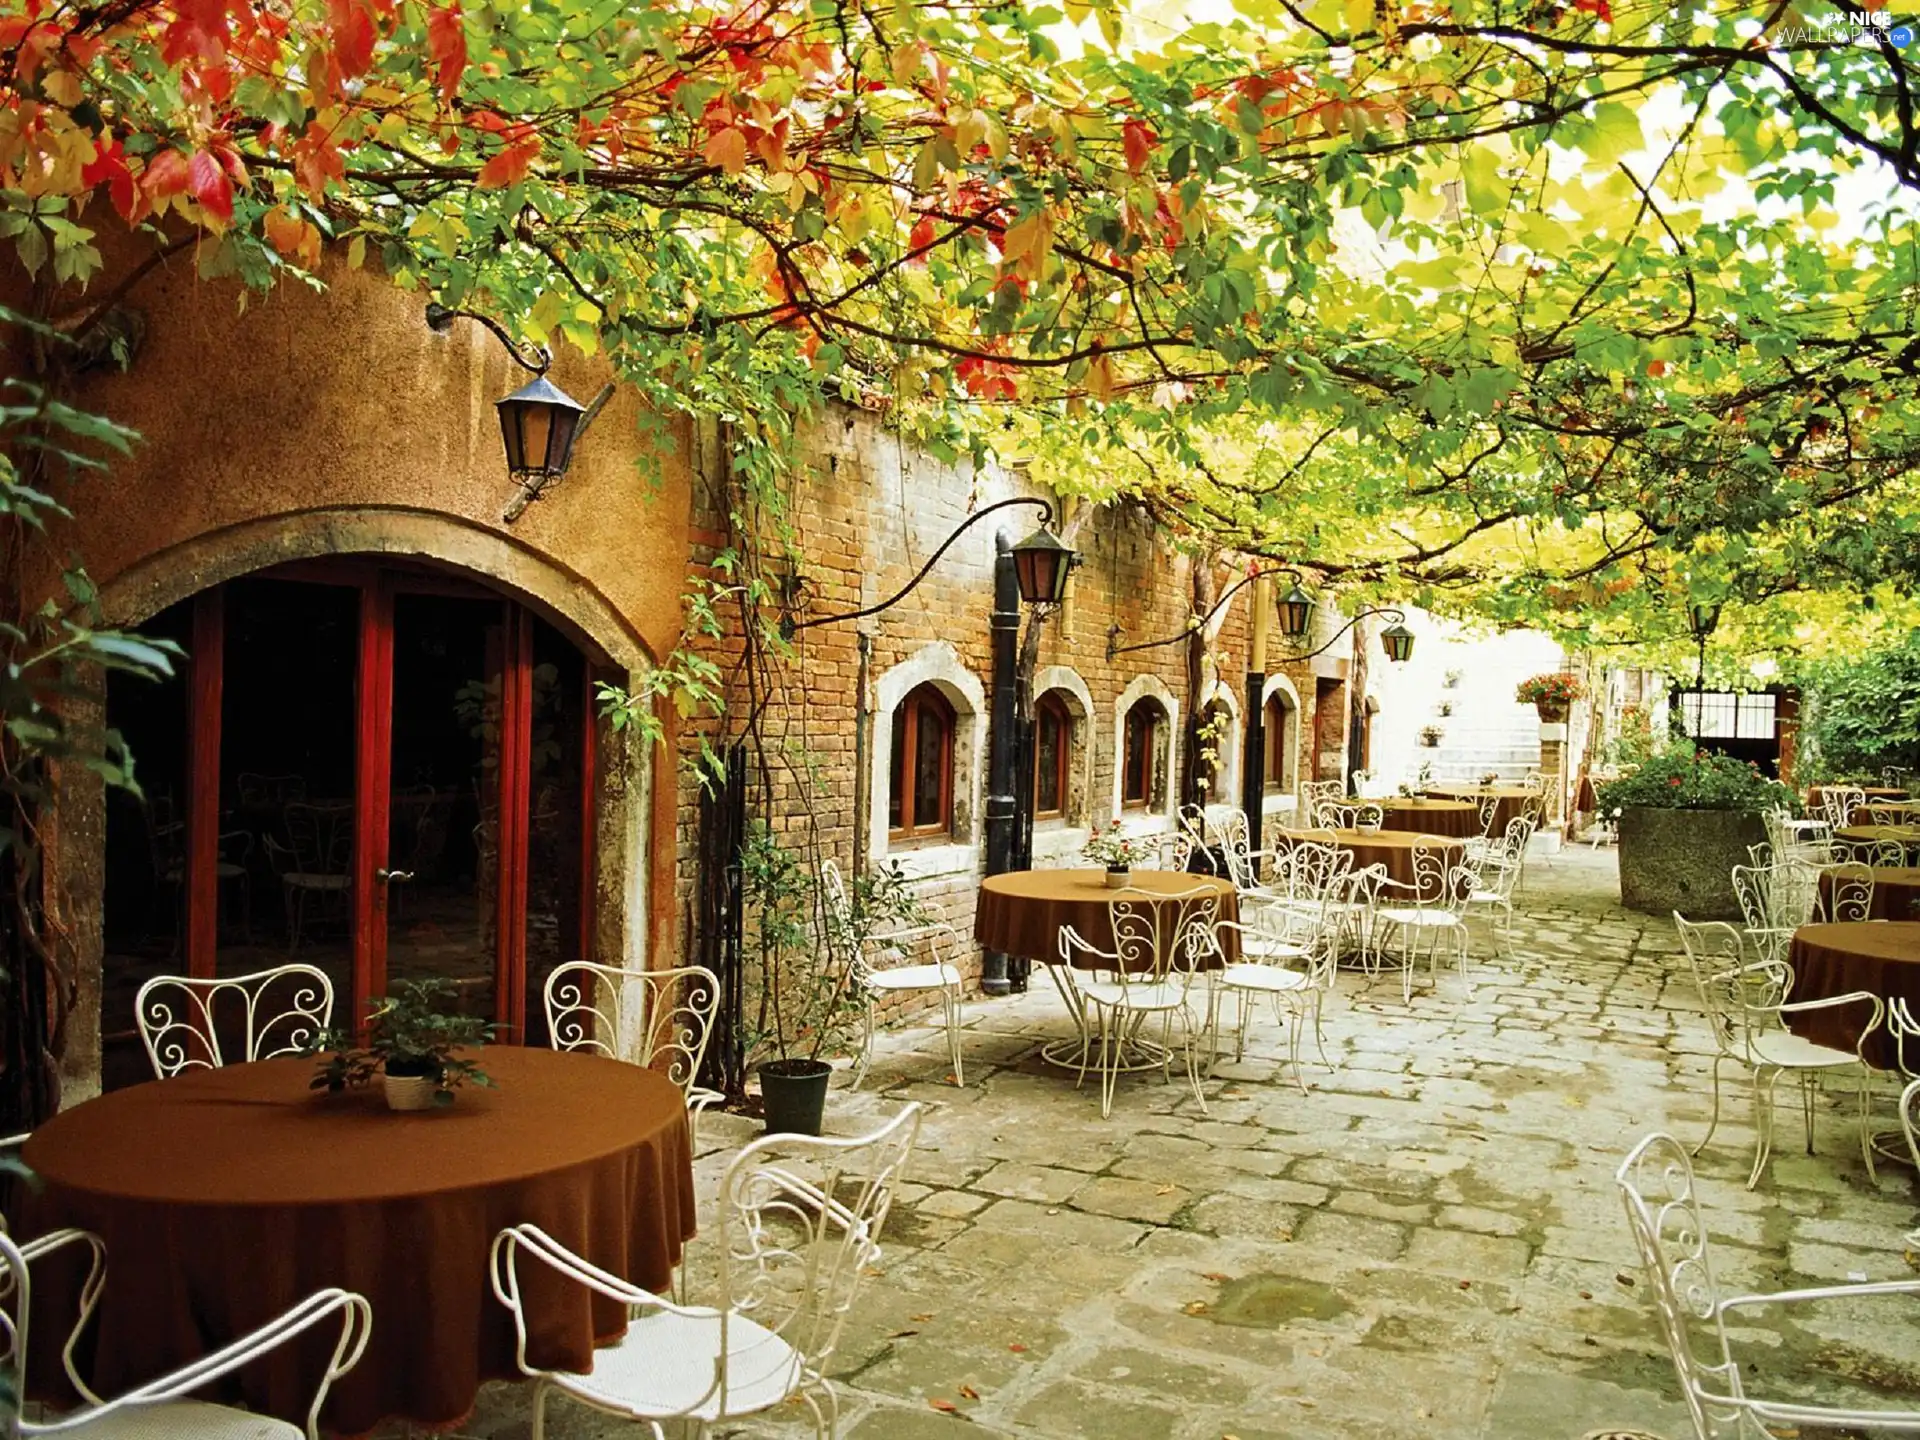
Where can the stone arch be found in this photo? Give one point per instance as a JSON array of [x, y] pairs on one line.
[[1065, 681], [1283, 688], [937, 664], [625, 839], [167, 576], [1141, 687]]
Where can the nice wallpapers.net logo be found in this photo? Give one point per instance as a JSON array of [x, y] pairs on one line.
[[1849, 27]]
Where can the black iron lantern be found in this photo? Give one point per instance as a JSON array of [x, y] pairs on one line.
[[1041, 563], [1704, 617], [1397, 641], [1296, 613], [539, 423]]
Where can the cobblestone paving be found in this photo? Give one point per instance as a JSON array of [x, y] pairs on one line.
[[1429, 1243]]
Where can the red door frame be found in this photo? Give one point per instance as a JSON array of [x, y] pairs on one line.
[[373, 773]]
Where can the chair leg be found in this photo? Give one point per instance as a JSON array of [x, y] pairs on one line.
[[1713, 1121], [1763, 1081], [866, 1048], [1319, 1035], [1109, 1059], [950, 999], [1866, 1124], [540, 1388]]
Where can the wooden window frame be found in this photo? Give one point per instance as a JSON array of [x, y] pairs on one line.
[[1151, 712], [901, 769], [1274, 781], [1050, 705]]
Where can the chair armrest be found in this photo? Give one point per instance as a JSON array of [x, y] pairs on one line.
[[543, 1247], [1854, 1291], [51, 1243]]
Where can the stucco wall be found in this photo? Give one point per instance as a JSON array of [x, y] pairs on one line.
[[296, 404]]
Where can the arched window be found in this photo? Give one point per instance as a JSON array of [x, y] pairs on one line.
[[1278, 737], [920, 796], [1141, 781], [1052, 749]]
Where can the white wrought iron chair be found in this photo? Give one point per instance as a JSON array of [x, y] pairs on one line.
[[1910, 1124], [799, 1229], [1429, 909], [178, 1016], [1315, 793], [891, 975], [1159, 941], [89, 1297], [1809, 839], [658, 1019], [1746, 1007], [1493, 884], [1290, 965], [1656, 1182], [160, 1408]]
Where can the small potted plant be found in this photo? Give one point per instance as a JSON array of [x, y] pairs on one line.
[[1490, 779], [1452, 680], [1551, 695], [1119, 853], [412, 1037], [1446, 708], [1430, 736]]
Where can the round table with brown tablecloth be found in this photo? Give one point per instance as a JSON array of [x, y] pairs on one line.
[[1023, 911], [1390, 849], [1509, 801], [1455, 819], [1881, 957], [225, 1196], [1896, 893], [1866, 837]]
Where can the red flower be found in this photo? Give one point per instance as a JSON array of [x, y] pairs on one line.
[[1673, 780]]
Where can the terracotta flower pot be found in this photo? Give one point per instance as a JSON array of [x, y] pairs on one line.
[[1551, 712]]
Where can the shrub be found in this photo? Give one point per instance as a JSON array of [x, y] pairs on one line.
[[1685, 779]]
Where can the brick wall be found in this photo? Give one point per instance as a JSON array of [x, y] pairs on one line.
[[866, 514]]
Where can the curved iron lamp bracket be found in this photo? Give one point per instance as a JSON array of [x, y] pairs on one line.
[[789, 627], [1114, 634], [1393, 617], [441, 317]]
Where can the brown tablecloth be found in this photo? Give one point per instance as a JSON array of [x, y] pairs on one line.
[[1896, 891], [1865, 837], [1455, 819], [1391, 849], [1880, 957], [225, 1196], [1511, 800], [1023, 911]]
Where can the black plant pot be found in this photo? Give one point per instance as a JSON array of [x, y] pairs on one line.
[[795, 1092]]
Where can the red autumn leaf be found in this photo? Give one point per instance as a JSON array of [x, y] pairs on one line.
[[946, 1407], [110, 164], [353, 36], [447, 46], [210, 186], [1600, 8], [316, 160], [922, 236], [166, 174], [1138, 140], [511, 165]]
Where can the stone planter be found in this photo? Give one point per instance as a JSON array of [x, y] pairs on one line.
[[1683, 860], [1550, 713]]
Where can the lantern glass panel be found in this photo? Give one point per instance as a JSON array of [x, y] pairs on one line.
[[1296, 614], [1397, 641]]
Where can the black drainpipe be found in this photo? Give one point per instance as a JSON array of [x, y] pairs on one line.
[[1002, 743]]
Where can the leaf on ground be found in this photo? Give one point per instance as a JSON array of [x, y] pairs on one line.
[[1017, 1348], [968, 1392], [921, 1319], [902, 1334], [1466, 1284], [1195, 1307], [1166, 1189], [1216, 1277], [946, 1407], [1624, 1278]]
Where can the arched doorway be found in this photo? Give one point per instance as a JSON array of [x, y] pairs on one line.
[[385, 767]]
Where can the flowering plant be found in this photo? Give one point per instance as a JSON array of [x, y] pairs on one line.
[[1684, 779], [1561, 687], [1114, 850]]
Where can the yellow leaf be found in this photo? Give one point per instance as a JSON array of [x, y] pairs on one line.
[[727, 149]]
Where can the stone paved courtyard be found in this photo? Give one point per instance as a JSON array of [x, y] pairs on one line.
[[1428, 1244]]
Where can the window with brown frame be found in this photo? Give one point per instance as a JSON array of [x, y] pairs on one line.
[[1279, 716], [1052, 740], [1140, 754], [920, 795]]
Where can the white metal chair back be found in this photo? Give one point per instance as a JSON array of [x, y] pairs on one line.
[[1793, 894], [1910, 1122], [1489, 812], [1904, 1025], [144, 1410], [1741, 995], [1656, 1182], [1837, 804], [1191, 821], [1750, 887], [1437, 884], [1235, 846], [321, 835], [1314, 869], [1162, 937], [1176, 851], [281, 1012], [1875, 813], [658, 1019], [1850, 891], [1889, 853]]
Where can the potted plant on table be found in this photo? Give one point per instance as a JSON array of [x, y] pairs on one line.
[[1117, 852], [1686, 818], [412, 1037], [1551, 694], [1430, 736]]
